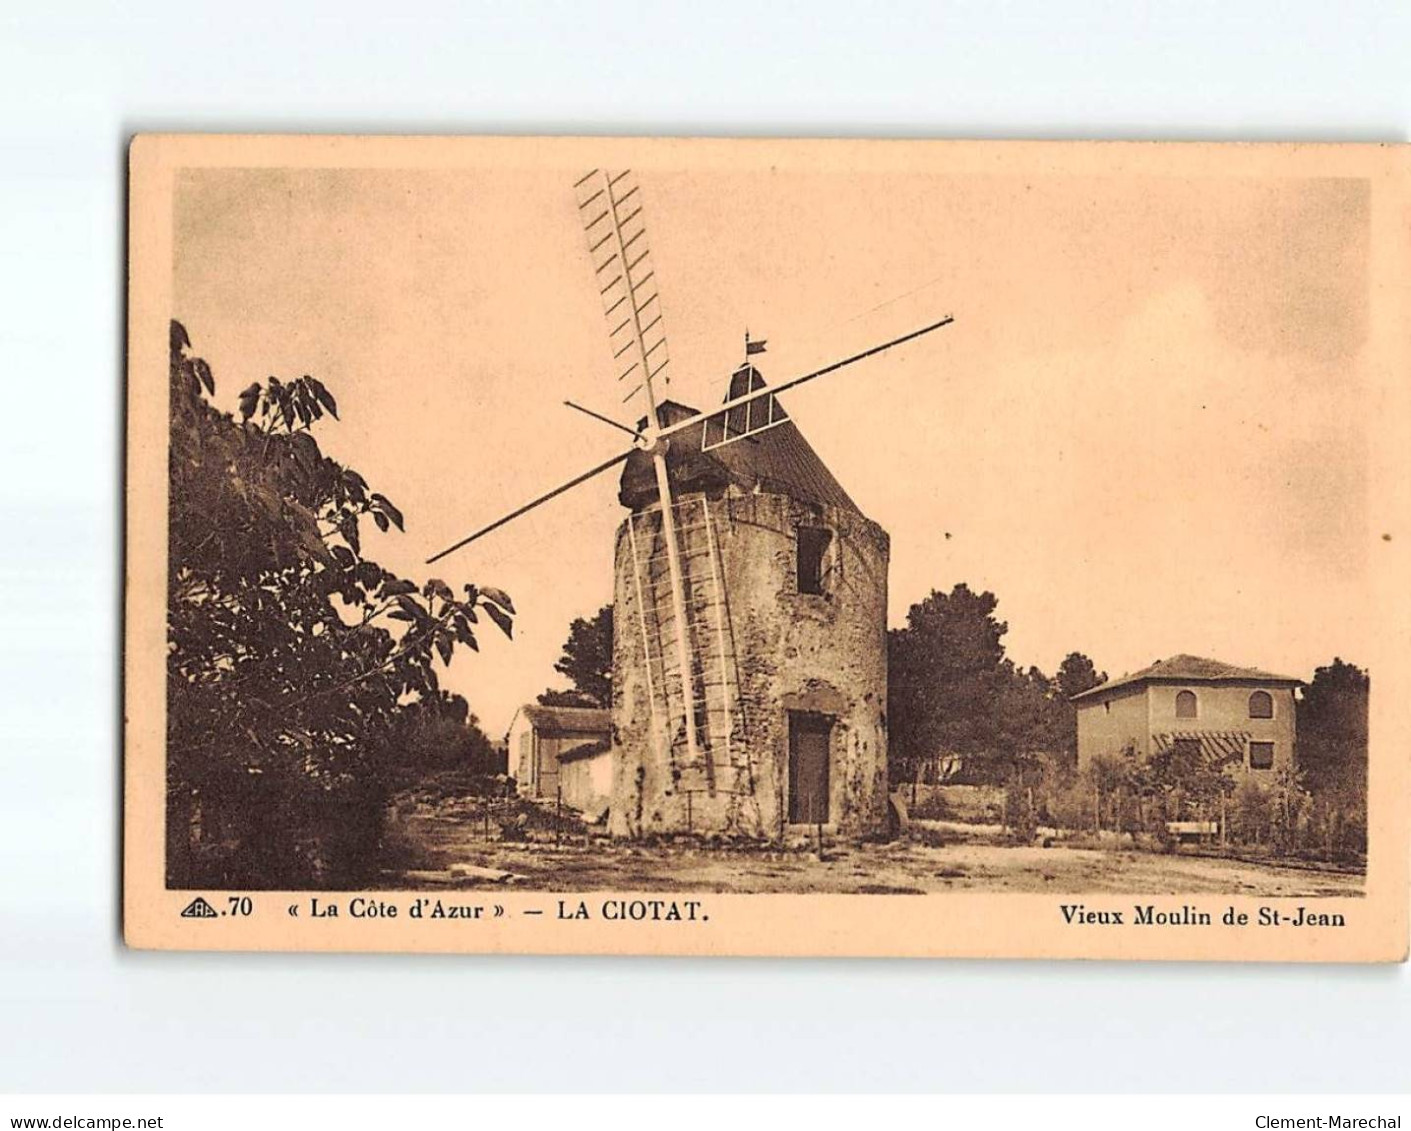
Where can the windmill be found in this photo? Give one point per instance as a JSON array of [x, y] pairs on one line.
[[698, 766]]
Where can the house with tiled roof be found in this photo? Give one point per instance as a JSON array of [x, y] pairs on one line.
[[1224, 712]]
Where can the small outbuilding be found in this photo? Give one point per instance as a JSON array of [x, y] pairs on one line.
[[585, 778], [539, 738]]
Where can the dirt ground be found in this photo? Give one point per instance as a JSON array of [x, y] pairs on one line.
[[453, 851]]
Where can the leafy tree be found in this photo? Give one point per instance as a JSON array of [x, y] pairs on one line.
[[944, 669], [1271, 812], [1077, 674], [1249, 814], [587, 662], [1031, 717], [1142, 784], [1332, 755], [291, 656], [951, 690], [1107, 776], [438, 732], [1332, 729], [1290, 802]]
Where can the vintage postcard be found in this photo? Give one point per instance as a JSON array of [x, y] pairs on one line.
[[723, 547]]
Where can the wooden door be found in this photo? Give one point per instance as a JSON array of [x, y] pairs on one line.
[[808, 767]]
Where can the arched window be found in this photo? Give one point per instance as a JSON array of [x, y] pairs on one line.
[[1185, 704], [1261, 705]]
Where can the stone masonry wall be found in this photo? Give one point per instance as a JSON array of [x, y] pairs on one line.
[[824, 653]]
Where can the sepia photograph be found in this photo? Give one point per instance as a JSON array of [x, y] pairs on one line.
[[760, 519], [614, 565]]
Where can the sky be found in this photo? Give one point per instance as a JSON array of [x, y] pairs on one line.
[[1145, 432]]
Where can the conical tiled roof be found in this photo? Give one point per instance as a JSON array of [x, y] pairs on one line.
[[777, 460]]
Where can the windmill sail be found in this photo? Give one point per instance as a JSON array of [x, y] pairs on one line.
[[723, 425], [745, 419], [606, 465], [677, 571], [610, 209]]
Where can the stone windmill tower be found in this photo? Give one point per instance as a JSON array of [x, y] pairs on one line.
[[750, 593], [786, 604]]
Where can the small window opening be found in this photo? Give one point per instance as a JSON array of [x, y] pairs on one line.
[[1261, 755], [1261, 705], [813, 550], [1185, 704]]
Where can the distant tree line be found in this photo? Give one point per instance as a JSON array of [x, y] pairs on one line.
[[439, 732]]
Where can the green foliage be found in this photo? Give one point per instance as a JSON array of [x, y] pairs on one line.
[[292, 657], [587, 662], [1077, 674], [942, 672], [438, 732], [1265, 813], [1066, 799], [1273, 812], [952, 691], [1332, 729], [1194, 781], [1332, 757]]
